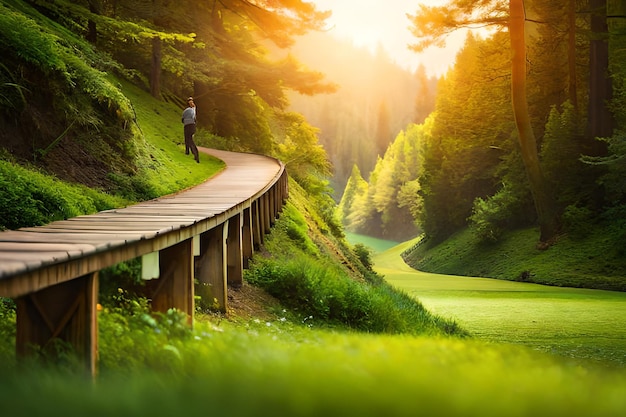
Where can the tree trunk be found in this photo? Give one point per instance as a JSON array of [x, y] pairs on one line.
[[545, 203], [155, 68], [600, 88], [571, 53], [157, 51], [95, 7]]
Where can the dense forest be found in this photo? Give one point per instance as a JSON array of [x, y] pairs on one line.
[[546, 152], [528, 128], [374, 101], [63, 62]]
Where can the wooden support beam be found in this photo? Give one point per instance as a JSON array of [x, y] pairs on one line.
[[257, 228], [211, 266], [63, 314], [265, 213], [278, 200], [247, 241], [234, 252], [174, 288]]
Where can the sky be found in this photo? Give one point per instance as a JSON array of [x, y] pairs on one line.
[[370, 22]]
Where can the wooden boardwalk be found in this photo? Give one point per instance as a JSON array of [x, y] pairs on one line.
[[207, 232]]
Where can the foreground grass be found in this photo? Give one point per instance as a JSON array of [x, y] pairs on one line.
[[281, 368]]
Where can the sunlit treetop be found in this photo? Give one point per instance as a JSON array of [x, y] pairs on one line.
[[277, 20], [431, 24]]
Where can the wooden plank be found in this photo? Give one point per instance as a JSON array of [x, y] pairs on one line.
[[34, 258], [143, 234], [96, 239], [170, 210], [134, 217], [11, 247], [10, 267], [112, 225]]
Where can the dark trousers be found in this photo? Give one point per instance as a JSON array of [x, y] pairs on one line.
[[190, 130]]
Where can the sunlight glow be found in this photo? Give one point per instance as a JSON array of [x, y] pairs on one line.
[[370, 23]]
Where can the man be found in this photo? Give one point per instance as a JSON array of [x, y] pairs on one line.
[[189, 126]]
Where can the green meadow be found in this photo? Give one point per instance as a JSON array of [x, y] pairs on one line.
[[583, 324]]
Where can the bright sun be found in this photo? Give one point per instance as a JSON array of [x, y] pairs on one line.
[[370, 23]]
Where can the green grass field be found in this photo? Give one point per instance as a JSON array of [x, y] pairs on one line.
[[586, 325]]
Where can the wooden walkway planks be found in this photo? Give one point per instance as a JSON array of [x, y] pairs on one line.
[[103, 239]]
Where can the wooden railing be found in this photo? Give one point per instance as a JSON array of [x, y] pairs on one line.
[[207, 233]]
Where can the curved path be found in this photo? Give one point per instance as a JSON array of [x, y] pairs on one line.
[[28, 255], [572, 322], [202, 236]]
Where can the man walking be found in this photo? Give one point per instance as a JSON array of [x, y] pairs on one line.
[[189, 126]]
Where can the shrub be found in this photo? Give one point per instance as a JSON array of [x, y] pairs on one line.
[[577, 221], [491, 216], [7, 333], [29, 198], [133, 337], [322, 292], [364, 254]]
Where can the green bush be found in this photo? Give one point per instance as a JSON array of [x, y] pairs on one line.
[[29, 198], [29, 42], [492, 216], [134, 187], [132, 337], [126, 275], [58, 53], [7, 333], [577, 221], [293, 227], [322, 293], [364, 254]]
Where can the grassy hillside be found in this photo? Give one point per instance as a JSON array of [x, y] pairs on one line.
[[66, 114], [33, 195], [593, 260]]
